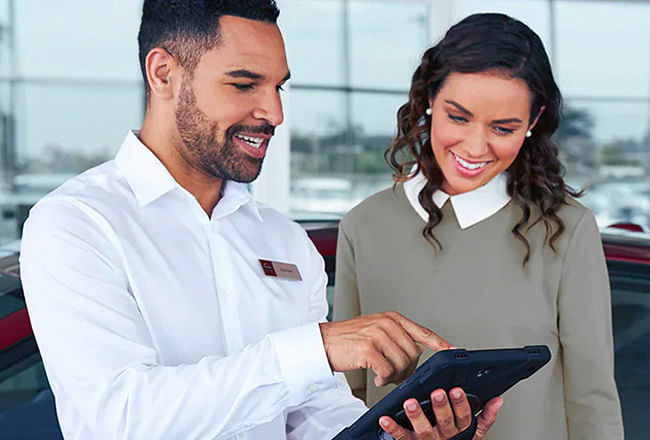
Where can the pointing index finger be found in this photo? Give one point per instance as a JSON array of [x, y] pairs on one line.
[[423, 335]]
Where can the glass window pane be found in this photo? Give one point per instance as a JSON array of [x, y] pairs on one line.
[[61, 130], [6, 129], [335, 165], [313, 33], [5, 34], [376, 114], [66, 129], [387, 40], [603, 48], [316, 112], [535, 13], [606, 147], [59, 39]]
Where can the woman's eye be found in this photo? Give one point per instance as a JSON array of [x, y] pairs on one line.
[[242, 87], [457, 118], [503, 130], [280, 88]]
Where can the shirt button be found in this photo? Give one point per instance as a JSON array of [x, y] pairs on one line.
[[313, 389], [248, 425]]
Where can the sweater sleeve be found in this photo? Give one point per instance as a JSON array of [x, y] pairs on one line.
[[585, 330], [346, 298]]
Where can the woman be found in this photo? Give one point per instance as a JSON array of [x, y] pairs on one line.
[[481, 239]]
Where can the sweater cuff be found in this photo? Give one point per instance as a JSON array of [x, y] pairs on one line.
[[303, 362]]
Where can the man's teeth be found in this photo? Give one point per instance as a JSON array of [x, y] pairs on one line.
[[252, 141], [468, 165]]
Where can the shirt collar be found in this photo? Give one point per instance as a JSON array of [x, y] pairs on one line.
[[470, 207], [149, 179], [235, 195], [146, 175]]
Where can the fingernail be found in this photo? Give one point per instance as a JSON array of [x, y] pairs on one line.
[[411, 406], [455, 395], [439, 397], [499, 403], [385, 423]]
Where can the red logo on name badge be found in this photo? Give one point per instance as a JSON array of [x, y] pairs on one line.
[[268, 269]]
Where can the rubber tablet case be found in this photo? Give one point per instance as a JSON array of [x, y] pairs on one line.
[[483, 374]]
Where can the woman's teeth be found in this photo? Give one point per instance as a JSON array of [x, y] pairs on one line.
[[469, 165], [252, 141]]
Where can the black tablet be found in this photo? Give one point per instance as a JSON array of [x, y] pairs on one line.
[[483, 374]]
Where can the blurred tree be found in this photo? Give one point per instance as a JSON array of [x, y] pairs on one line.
[[574, 122], [575, 142]]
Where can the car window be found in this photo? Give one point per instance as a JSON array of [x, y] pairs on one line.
[[631, 318], [22, 386]]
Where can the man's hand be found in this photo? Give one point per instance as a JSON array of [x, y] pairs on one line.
[[386, 342], [450, 419]]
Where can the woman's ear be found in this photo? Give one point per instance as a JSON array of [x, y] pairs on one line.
[[539, 113], [162, 67]]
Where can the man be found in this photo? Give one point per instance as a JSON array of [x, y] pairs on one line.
[[168, 304]]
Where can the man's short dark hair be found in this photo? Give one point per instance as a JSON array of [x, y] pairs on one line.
[[189, 28]]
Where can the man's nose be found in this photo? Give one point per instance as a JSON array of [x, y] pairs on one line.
[[270, 109]]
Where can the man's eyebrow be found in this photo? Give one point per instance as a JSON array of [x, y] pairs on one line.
[[243, 73], [459, 107]]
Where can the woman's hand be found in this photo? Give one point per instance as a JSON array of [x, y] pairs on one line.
[[450, 419]]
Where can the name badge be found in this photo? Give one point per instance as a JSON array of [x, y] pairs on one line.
[[280, 270]]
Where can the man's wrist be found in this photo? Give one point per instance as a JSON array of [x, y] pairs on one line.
[[302, 360]]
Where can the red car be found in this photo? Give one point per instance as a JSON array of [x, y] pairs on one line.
[[27, 405]]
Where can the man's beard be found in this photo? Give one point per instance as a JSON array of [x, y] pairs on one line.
[[202, 149]]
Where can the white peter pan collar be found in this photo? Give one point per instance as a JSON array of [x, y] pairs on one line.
[[471, 207]]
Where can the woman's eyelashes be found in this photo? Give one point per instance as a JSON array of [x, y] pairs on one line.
[[500, 130], [458, 119], [503, 130]]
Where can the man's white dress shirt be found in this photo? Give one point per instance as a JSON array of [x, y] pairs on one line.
[[156, 321]]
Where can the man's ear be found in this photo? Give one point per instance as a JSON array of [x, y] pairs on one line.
[[162, 70], [539, 113]]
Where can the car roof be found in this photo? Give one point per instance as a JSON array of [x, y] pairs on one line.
[[625, 245]]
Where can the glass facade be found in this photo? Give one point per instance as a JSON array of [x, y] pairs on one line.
[[70, 87], [343, 108], [603, 65]]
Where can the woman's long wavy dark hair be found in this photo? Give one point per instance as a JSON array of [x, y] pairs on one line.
[[482, 43]]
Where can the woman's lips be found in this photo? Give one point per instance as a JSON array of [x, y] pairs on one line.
[[468, 168]]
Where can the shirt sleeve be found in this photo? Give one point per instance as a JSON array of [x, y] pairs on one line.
[[101, 358], [330, 410], [346, 298], [585, 326]]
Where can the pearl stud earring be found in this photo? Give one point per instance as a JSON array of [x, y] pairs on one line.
[[529, 133], [428, 111]]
